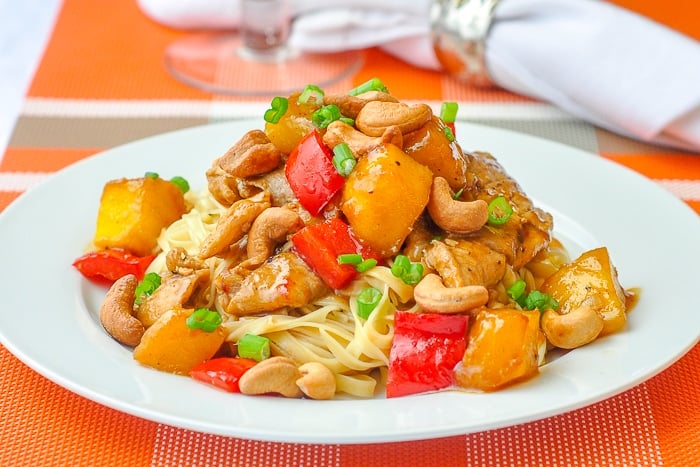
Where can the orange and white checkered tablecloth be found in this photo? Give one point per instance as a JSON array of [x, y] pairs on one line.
[[101, 82]]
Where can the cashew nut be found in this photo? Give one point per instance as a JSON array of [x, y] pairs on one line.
[[275, 375], [453, 215], [573, 329], [317, 381], [270, 228], [350, 106], [360, 144], [376, 116], [116, 312], [232, 226], [431, 294]]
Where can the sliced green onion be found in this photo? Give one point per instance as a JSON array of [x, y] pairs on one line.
[[541, 301], [343, 160], [414, 274], [181, 183], [347, 120], [255, 347], [204, 319], [517, 291], [448, 112], [350, 258], [311, 93], [367, 301], [278, 107], [325, 115], [366, 265], [458, 193], [151, 175], [373, 84], [448, 134], [499, 211], [400, 266], [410, 273], [146, 287]]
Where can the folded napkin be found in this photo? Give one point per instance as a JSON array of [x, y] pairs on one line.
[[597, 61]]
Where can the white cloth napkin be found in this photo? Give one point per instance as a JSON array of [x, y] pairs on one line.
[[599, 62]]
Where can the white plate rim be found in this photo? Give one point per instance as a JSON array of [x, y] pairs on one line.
[[594, 201]]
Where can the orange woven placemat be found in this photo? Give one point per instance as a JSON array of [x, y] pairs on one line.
[[101, 82]]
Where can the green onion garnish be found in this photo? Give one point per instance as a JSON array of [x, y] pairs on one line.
[[448, 112], [517, 291], [151, 175], [540, 300], [278, 107], [255, 347], [499, 211], [146, 287], [448, 134], [410, 273], [350, 258], [343, 160], [181, 183], [347, 120], [367, 301], [373, 84], [366, 265], [458, 194], [325, 115], [311, 93], [204, 319]]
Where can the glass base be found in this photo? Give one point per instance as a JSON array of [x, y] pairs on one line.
[[220, 63]]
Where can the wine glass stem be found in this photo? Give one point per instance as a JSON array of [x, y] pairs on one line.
[[264, 29]]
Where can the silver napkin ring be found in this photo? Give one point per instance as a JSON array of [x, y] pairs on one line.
[[459, 29]]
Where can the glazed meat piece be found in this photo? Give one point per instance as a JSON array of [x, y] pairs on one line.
[[464, 262], [529, 229], [283, 281], [174, 291]]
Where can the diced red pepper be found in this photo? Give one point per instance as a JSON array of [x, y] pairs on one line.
[[321, 244], [111, 264], [311, 174], [222, 372], [425, 350]]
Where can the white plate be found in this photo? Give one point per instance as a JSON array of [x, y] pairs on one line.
[[49, 314]]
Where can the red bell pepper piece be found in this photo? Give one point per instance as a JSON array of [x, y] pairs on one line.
[[222, 372], [111, 264], [424, 352], [311, 174], [321, 244]]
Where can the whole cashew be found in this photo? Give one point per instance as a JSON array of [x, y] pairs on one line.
[[232, 226], [350, 106], [275, 375], [376, 116], [453, 215], [431, 294], [116, 312], [573, 329], [317, 381], [270, 228], [359, 143]]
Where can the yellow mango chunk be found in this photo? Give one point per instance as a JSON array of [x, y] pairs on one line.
[[169, 345], [590, 278], [429, 146], [133, 212], [502, 349], [384, 195], [293, 126]]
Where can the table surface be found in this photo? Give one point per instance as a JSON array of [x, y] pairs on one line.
[[73, 88]]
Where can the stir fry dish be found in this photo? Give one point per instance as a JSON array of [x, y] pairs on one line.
[[348, 246]]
